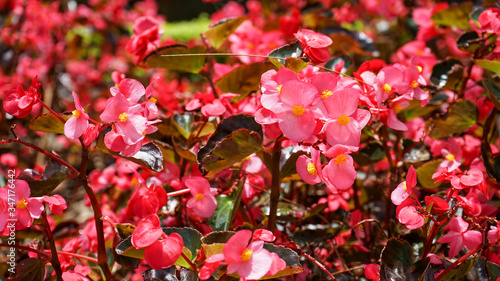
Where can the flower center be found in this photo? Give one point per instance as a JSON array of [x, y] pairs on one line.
[[419, 69], [343, 119], [199, 196], [387, 88], [398, 108], [123, 117], [144, 133], [414, 84], [311, 169], [450, 157], [326, 93], [340, 159], [153, 100], [246, 255], [298, 110], [76, 113], [279, 89], [22, 204], [404, 185], [134, 182]]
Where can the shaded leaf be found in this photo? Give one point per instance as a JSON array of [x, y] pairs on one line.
[[425, 172], [290, 257], [219, 221], [469, 42], [183, 151], [202, 129], [149, 156], [493, 92], [371, 153], [493, 270], [53, 175], [290, 167], [125, 248], [244, 79], [167, 274], [48, 123], [447, 75], [314, 233], [454, 16], [350, 42], [183, 123], [220, 31], [417, 155], [212, 249], [460, 116], [30, 269], [416, 110], [476, 13], [419, 268], [234, 139], [124, 230], [461, 270], [491, 65], [396, 260], [336, 60], [160, 58], [217, 237], [191, 238], [188, 275], [292, 50]]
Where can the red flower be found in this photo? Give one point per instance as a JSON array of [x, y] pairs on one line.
[[18, 102], [314, 45]]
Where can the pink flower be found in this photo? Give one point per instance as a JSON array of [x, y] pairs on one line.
[[18, 102], [146, 37], [493, 234], [339, 174], [147, 232], [165, 252], [408, 215], [203, 202], [372, 271], [26, 209], [264, 235], [459, 236], [452, 155], [489, 20], [56, 202], [314, 45], [439, 206], [404, 189], [78, 123], [309, 169], [146, 200], [249, 261]]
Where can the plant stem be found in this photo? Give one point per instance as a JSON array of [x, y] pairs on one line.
[[320, 265], [275, 186], [179, 192], [102, 260], [392, 185], [52, 111], [55, 258], [193, 267], [77, 256], [45, 255]]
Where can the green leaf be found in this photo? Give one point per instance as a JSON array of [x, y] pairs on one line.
[[493, 92], [416, 110], [476, 13], [220, 31], [454, 16], [461, 115], [243, 80], [290, 257], [396, 260], [125, 248], [184, 31], [48, 123], [53, 175], [191, 238], [336, 60], [292, 50], [491, 65], [212, 249], [461, 270], [234, 139], [290, 167], [181, 261], [425, 172], [183, 62], [419, 268], [149, 156], [493, 270], [296, 64], [314, 233], [220, 219], [183, 151], [447, 75], [124, 230], [30, 269], [469, 42], [166, 274], [217, 237]]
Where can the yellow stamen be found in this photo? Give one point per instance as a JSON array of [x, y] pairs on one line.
[[326, 93], [153, 100], [343, 119], [387, 88], [22, 204], [279, 89], [134, 182], [123, 117], [340, 159], [414, 84], [404, 185], [450, 157], [398, 108], [199, 196], [419, 69], [246, 255], [76, 113], [298, 110], [144, 132], [311, 169]]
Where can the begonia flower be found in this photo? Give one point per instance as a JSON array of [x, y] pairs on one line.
[[339, 174], [372, 271], [18, 102], [26, 208], [309, 169], [439, 206], [57, 204], [147, 232], [78, 123], [404, 189], [452, 155], [314, 45], [165, 252], [203, 202], [146, 201], [459, 235], [408, 215]]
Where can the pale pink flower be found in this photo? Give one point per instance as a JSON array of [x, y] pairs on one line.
[[493, 234], [26, 209], [404, 189], [203, 202], [452, 155], [309, 169], [339, 174], [76, 125], [459, 235]]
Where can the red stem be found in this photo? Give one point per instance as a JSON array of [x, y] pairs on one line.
[[45, 255], [319, 264], [179, 192], [78, 256], [52, 111], [55, 258], [193, 267]]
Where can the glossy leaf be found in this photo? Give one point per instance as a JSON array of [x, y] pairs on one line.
[[491, 65], [290, 257], [461, 116], [125, 248], [124, 230], [461, 270], [417, 154], [425, 172], [296, 64], [53, 175], [493, 92], [191, 62], [220, 31], [166, 274], [447, 75], [457, 16], [396, 260], [217, 237], [219, 221], [30, 269], [493, 270], [149, 156], [234, 139], [244, 79], [191, 238], [336, 60], [279, 55], [48, 123], [290, 166], [469, 42], [419, 269]]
